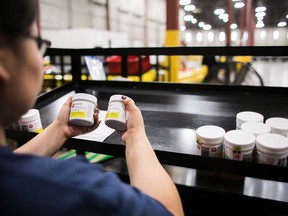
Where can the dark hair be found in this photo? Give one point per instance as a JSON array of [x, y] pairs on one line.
[[16, 17]]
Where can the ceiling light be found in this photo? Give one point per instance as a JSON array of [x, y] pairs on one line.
[[201, 24], [219, 11], [260, 18], [239, 5], [184, 2], [260, 14], [281, 24], [194, 21], [183, 28], [260, 24], [188, 18], [260, 9], [189, 7], [233, 26], [223, 16], [225, 20], [207, 27]]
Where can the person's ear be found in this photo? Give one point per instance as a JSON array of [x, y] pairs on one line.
[[4, 74]]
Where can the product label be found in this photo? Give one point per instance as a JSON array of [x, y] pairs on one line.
[[34, 126], [77, 114], [81, 110], [271, 159], [38, 130], [198, 141], [209, 151], [116, 110], [114, 115], [236, 153]]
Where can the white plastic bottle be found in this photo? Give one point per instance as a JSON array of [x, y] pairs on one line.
[[210, 141], [272, 149], [248, 116], [256, 128], [82, 109], [116, 116], [31, 121], [278, 125], [239, 145]]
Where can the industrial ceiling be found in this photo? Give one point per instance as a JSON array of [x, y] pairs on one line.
[[276, 11]]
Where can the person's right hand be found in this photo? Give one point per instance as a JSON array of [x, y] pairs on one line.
[[70, 130], [135, 122]]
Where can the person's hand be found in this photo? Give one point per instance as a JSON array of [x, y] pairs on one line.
[[135, 122], [70, 130]]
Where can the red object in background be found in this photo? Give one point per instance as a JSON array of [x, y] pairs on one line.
[[114, 64]]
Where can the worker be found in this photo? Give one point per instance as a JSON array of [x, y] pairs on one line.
[[33, 183]]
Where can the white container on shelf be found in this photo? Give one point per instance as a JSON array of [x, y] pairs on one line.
[[82, 109], [248, 116], [239, 145], [116, 115], [31, 121], [256, 128], [278, 125], [272, 149], [210, 140]]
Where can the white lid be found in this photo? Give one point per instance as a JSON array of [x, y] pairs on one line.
[[246, 116], [84, 96], [116, 97], [242, 138], [210, 134], [256, 128], [30, 115], [278, 125], [273, 143]]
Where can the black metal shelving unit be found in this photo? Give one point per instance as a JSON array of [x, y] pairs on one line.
[[172, 111]]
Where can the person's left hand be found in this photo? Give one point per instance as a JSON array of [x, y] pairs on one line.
[[70, 130]]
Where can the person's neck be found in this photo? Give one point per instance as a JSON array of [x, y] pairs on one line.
[[2, 137]]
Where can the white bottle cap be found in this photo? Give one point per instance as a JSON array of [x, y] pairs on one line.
[[84, 96], [278, 125], [256, 128], [210, 134], [244, 139], [248, 116], [272, 143], [30, 115], [116, 97]]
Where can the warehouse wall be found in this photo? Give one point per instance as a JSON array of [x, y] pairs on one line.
[[126, 17]]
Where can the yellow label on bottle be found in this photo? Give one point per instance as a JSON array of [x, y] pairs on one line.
[[114, 115], [38, 130], [77, 115]]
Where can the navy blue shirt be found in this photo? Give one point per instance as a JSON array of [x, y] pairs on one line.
[[31, 185]]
